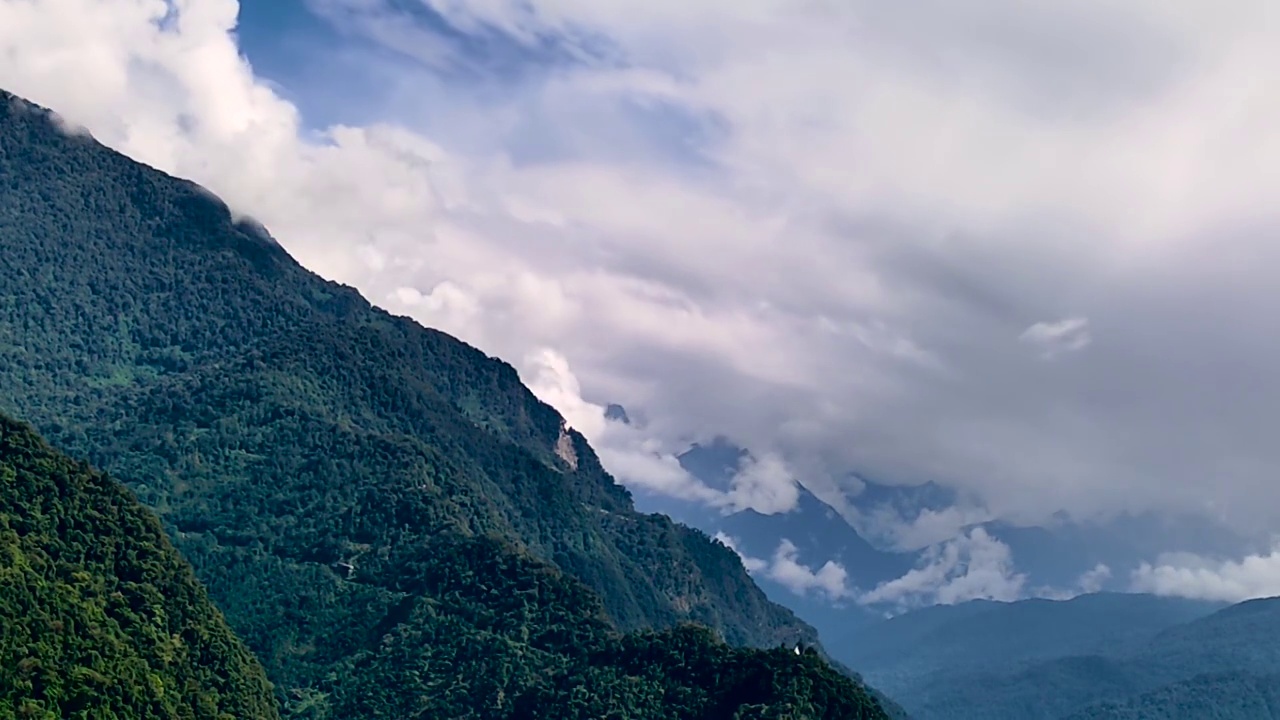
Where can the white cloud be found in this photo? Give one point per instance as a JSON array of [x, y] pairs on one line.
[[1191, 576], [763, 484], [875, 203], [633, 458], [549, 377], [970, 567], [752, 564], [1091, 581], [639, 460], [1055, 338], [451, 308], [830, 580], [887, 525]]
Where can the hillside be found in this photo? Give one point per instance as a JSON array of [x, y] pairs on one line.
[[903, 653], [1096, 654], [382, 512], [1229, 696], [99, 616]]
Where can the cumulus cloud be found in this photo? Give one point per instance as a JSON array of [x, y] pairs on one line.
[[785, 568], [765, 485], [970, 567], [1192, 576], [636, 458], [830, 581], [815, 228], [549, 377], [1093, 580]]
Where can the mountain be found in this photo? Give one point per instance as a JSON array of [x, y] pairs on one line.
[[101, 617], [1095, 654], [905, 652], [391, 521], [1232, 638], [1063, 555], [1228, 696], [813, 527]]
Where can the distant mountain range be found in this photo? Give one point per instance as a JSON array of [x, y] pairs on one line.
[[1096, 655], [1224, 696], [1054, 561], [1106, 655]]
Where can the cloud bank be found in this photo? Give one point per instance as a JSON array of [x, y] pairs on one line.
[[971, 567], [1192, 576], [1023, 251]]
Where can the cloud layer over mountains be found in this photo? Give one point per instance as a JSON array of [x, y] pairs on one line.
[[1026, 251]]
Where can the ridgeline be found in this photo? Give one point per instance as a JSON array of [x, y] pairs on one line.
[[386, 516]]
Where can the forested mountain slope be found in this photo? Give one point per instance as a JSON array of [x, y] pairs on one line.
[[99, 616], [903, 654], [1227, 696], [382, 512], [1113, 658]]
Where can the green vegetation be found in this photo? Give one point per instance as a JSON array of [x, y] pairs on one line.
[[378, 509], [918, 654], [101, 617], [1101, 656], [1229, 696]]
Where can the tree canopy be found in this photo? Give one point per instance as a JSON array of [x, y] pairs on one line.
[[101, 617]]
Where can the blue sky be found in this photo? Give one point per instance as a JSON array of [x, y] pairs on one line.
[[358, 62], [1023, 252]]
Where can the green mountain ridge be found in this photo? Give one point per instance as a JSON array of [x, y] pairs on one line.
[[901, 653], [1216, 696], [390, 520], [1108, 655], [101, 616]]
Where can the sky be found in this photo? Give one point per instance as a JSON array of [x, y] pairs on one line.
[[1023, 251]]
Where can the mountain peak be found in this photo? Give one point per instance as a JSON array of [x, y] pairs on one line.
[[617, 413]]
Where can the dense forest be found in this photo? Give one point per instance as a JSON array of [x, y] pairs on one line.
[[386, 516], [99, 616], [1224, 696], [105, 620]]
